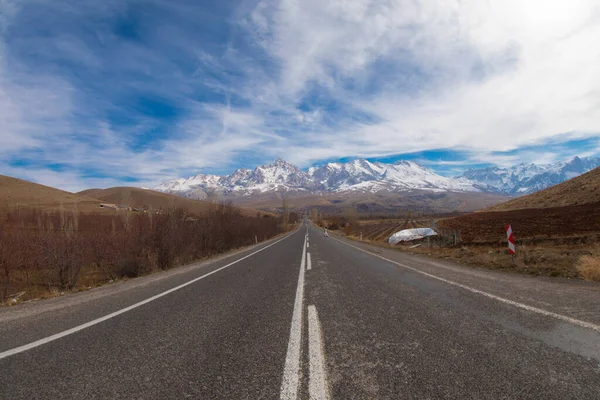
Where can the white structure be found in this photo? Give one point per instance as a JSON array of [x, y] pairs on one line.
[[407, 235]]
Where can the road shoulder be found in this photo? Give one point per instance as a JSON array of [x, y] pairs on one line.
[[571, 297]]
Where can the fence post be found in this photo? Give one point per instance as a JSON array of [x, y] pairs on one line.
[[255, 239]]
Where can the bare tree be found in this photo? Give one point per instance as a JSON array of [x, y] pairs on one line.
[[51, 250], [285, 211], [5, 261], [127, 201], [314, 215]]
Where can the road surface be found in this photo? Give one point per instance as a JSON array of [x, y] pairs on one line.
[[309, 317]]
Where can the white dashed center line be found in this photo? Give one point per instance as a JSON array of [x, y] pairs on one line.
[[291, 371], [317, 385]]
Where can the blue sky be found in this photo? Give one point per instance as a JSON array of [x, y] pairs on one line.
[[103, 93]]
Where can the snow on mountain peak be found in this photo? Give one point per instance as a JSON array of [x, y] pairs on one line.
[[366, 176], [355, 175], [529, 178]]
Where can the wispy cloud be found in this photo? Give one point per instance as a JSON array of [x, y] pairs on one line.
[[151, 90], [493, 76]]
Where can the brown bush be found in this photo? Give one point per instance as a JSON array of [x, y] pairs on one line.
[[589, 268], [51, 252]]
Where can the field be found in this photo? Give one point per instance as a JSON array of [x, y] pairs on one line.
[[20, 194], [381, 203], [555, 260], [150, 199], [572, 224], [557, 241], [17, 193], [380, 231]]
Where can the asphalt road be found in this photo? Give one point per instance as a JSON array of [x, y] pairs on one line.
[[307, 316]]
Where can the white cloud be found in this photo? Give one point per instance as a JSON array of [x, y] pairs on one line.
[[70, 181], [33, 107], [506, 73], [310, 80]]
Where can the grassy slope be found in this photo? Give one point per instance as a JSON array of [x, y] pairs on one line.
[[136, 197], [20, 193], [382, 202]]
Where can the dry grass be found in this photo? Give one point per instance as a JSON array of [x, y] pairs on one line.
[[557, 223], [17, 193], [20, 194], [382, 230], [552, 259], [142, 198], [589, 267], [382, 203]]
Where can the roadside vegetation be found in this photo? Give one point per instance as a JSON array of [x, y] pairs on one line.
[[589, 266], [554, 260], [43, 254], [557, 242]]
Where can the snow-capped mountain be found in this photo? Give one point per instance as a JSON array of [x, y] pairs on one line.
[[528, 178], [275, 177], [358, 175], [371, 177], [362, 175]]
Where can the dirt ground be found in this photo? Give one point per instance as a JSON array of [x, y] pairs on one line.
[[547, 259], [569, 224], [550, 241]]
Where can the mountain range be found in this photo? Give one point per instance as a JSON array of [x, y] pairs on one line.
[[528, 178], [363, 176]]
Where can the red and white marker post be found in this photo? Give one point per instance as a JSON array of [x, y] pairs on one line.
[[511, 241]]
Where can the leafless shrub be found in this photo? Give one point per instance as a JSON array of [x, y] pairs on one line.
[[129, 268], [52, 251], [63, 248], [6, 264]]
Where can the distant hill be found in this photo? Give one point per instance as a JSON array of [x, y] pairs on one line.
[[142, 198], [583, 189], [382, 203], [18, 193]]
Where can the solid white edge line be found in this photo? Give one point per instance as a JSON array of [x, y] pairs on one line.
[[308, 262], [540, 311], [317, 385], [291, 370], [78, 328]]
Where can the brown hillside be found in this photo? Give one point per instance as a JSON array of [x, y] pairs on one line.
[[18, 193], [143, 198], [575, 222], [382, 202], [584, 189]]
